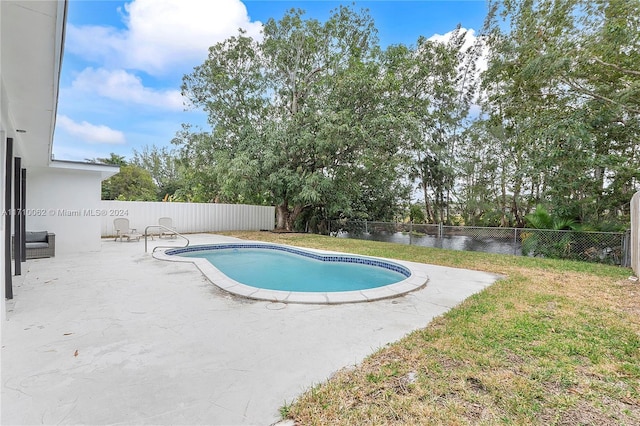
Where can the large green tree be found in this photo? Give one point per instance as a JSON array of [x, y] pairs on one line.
[[132, 183], [299, 119], [563, 88], [440, 81], [166, 169], [316, 119]]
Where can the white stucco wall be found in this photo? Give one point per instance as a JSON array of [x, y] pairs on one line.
[[635, 233], [62, 201]]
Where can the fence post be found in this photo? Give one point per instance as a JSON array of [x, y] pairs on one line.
[[410, 231], [626, 249], [515, 241]]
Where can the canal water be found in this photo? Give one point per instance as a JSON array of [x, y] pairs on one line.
[[451, 242]]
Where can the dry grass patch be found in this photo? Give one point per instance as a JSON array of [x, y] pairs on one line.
[[555, 342]]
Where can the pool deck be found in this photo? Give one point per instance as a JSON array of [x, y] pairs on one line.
[[118, 337]]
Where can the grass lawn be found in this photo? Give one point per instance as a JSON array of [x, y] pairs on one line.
[[555, 342]]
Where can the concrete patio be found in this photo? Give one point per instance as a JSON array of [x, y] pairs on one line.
[[118, 337]]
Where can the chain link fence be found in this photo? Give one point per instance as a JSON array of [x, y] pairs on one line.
[[602, 247]]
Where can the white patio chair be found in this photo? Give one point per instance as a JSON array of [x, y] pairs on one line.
[[123, 230], [167, 222]]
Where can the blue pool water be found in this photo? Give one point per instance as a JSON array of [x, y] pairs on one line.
[[274, 269]]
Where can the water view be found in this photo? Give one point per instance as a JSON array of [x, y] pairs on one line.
[[451, 242]]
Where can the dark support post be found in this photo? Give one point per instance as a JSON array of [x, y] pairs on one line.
[[17, 216], [8, 281], [23, 222]]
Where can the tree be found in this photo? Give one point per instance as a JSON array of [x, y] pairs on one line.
[[562, 84], [483, 175], [165, 168], [298, 120], [132, 183], [540, 218], [436, 83], [113, 159], [416, 214]]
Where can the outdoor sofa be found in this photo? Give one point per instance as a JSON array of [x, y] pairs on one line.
[[38, 244]]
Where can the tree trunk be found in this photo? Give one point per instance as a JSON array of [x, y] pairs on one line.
[[282, 216], [297, 209], [515, 208], [286, 218], [427, 206], [503, 198]]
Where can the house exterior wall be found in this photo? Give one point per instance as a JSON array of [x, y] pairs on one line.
[[635, 233], [188, 217], [64, 201]]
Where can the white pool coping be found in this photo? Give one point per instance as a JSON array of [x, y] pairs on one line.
[[416, 281]]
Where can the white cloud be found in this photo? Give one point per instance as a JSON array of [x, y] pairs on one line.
[[123, 86], [95, 43], [159, 34], [90, 133], [470, 39]]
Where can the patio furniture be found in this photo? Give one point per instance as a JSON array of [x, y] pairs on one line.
[[167, 222], [38, 244], [123, 230]]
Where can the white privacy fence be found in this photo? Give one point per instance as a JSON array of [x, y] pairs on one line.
[[187, 217], [635, 233]]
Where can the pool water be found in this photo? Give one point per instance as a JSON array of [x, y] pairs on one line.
[[281, 270]]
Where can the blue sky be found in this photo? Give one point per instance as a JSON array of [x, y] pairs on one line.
[[124, 60]]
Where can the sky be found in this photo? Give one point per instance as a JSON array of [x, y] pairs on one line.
[[124, 60]]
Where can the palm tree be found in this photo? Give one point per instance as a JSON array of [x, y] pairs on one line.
[[546, 244]]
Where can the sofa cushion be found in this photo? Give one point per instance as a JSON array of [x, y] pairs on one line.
[[36, 245], [36, 237]]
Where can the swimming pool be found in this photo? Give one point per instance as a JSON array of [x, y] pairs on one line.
[[282, 273]]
